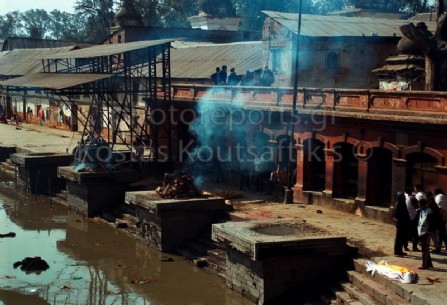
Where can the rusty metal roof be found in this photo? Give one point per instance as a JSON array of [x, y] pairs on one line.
[[200, 61], [56, 81], [26, 61], [398, 68], [425, 17], [341, 26], [12, 43], [109, 49]]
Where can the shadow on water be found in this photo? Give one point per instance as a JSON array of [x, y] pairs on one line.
[[91, 263]]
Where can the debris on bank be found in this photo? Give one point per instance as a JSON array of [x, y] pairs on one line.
[[32, 264], [10, 234]]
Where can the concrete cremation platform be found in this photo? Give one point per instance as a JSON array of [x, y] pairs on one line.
[[167, 223], [267, 258], [39, 170], [6, 151], [89, 192]]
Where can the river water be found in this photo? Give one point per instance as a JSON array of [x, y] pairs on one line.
[[91, 263]]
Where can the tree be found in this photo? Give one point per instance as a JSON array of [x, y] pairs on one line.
[[10, 25], [99, 16], [175, 13], [36, 23], [66, 26], [326, 6], [149, 10]]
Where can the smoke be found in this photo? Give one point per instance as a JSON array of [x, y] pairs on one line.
[[220, 132]]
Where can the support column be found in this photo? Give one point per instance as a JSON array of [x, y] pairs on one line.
[[362, 179], [442, 177], [398, 177], [298, 194], [299, 167], [329, 172]]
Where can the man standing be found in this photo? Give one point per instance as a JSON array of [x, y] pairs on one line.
[[402, 220], [424, 216], [412, 206], [441, 201], [223, 75], [215, 76], [267, 77]]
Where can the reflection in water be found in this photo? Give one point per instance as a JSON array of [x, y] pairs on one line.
[[92, 263]]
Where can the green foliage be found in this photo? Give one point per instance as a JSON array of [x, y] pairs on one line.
[[93, 18], [36, 23], [150, 11], [174, 13], [98, 17], [66, 26], [10, 25]]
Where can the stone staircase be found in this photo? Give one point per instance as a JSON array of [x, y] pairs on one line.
[[204, 253], [365, 289]]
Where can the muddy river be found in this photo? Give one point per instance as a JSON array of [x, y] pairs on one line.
[[91, 263]]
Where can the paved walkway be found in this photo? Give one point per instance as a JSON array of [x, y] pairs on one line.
[[38, 139]]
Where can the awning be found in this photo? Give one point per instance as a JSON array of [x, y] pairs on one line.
[[109, 49], [55, 81]]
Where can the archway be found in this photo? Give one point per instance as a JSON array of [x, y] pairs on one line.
[[260, 141], [379, 178], [421, 170], [314, 163], [345, 171]]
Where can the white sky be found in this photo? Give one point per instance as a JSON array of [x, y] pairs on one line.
[[7, 6]]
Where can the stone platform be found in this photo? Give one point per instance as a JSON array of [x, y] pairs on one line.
[[6, 151], [167, 223], [89, 192], [267, 258], [38, 171]]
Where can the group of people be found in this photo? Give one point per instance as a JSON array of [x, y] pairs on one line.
[[421, 218], [261, 77]]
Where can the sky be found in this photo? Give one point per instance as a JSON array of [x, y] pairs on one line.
[[7, 6]]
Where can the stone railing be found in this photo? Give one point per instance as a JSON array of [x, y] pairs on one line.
[[409, 106]]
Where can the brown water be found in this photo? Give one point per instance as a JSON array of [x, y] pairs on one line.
[[91, 263]]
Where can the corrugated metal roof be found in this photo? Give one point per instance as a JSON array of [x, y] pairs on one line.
[[26, 61], [110, 49], [425, 17], [200, 61], [397, 68], [54, 81], [341, 26], [12, 43]]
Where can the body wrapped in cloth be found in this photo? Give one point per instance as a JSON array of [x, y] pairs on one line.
[[394, 272]]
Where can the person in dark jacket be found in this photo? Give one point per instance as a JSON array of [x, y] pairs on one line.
[[402, 220]]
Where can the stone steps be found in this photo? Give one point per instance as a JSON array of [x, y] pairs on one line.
[[371, 290], [203, 249], [62, 195]]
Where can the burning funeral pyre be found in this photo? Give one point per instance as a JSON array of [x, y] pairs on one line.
[[178, 185]]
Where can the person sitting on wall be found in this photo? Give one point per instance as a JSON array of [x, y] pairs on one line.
[[233, 78]]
